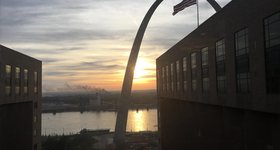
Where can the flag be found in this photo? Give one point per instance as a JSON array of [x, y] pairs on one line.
[[183, 5]]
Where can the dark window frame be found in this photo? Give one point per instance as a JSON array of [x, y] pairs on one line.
[[242, 61], [220, 62], [36, 82], [26, 81], [205, 69], [172, 77], [272, 55], [8, 80], [185, 70], [163, 78], [205, 85], [167, 78], [193, 60], [18, 81], [178, 75]]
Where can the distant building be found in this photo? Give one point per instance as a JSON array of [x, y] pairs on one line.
[[219, 87], [20, 101]]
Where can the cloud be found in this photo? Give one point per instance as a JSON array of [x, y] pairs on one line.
[[49, 60], [93, 69], [90, 40], [95, 65], [57, 73]]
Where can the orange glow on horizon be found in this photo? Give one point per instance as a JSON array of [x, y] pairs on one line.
[[138, 84], [144, 78]]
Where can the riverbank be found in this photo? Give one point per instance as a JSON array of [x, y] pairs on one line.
[[100, 139]]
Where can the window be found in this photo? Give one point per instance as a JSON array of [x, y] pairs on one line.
[[167, 79], [158, 77], [205, 69], [185, 85], [25, 78], [193, 60], [34, 118], [193, 64], [35, 105], [243, 82], [35, 82], [220, 66], [204, 56], [272, 30], [8, 80], [193, 71], [34, 132], [178, 74], [163, 78], [205, 84], [242, 61], [204, 62], [272, 53], [220, 50], [17, 81], [185, 64], [241, 42], [194, 85], [221, 84], [172, 77], [185, 73]]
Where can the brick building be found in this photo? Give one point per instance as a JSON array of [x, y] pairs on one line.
[[219, 87], [20, 101]]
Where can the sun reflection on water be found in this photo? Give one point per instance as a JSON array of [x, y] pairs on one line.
[[73, 122], [138, 121]]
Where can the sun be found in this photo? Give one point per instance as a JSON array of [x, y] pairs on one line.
[[140, 69]]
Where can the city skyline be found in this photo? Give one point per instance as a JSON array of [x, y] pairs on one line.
[[88, 43]]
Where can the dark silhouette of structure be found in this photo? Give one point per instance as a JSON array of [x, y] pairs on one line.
[[121, 122], [20, 101], [215, 5], [219, 87]]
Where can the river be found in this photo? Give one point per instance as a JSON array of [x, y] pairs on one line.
[[73, 122]]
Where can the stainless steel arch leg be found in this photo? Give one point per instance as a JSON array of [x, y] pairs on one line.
[[120, 129]]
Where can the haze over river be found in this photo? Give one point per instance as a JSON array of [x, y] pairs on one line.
[[73, 122]]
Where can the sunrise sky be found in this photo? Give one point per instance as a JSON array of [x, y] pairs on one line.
[[87, 42]]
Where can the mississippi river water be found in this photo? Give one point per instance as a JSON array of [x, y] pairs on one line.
[[73, 122]]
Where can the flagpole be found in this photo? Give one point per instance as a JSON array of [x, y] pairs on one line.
[[197, 11]]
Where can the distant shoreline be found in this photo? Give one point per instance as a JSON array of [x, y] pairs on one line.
[[95, 109]]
